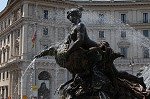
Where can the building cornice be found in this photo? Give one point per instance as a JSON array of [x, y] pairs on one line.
[[9, 28], [8, 8], [14, 65], [54, 3], [140, 25], [112, 4]]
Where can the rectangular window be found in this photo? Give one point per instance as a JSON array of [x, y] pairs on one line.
[[45, 14], [101, 18], [3, 75], [101, 34], [145, 52], [123, 34], [145, 17], [45, 31], [9, 22], [3, 56], [4, 41], [145, 33], [7, 75], [123, 18], [124, 51], [8, 53]]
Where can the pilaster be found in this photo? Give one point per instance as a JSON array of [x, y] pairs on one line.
[[25, 10], [10, 84], [6, 54], [4, 92], [2, 59], [13, 44], [20, 42], [23, 86], [10, 44], [0, 92], [24, 41]]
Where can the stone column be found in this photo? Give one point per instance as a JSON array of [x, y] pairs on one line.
[[23, 85], [25, 10], [24, 41], [0, 92], [20, 42], [6, 57], [4, 92], [19, 30], [13, 44], [19, 84], [15, 84], [10, 44], [2, 60], [10, 85]]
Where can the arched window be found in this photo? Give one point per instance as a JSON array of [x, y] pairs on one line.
[[44, 75]]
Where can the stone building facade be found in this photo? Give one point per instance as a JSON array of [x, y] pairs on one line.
[[29, 26]]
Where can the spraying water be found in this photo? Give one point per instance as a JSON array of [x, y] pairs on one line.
[[31, 65], [27, 76], [108, 22]]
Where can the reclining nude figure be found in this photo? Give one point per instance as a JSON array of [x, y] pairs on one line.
[[75, 57]]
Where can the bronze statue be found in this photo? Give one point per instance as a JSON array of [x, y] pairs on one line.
[[91, 64], [43, 92]]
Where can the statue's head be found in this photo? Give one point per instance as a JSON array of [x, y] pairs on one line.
[[74, 14], [43, 85]]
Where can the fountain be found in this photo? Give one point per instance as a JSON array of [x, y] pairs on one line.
[[91, 65], [29, 73]]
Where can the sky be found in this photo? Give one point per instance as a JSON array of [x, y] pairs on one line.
[[3, 4]]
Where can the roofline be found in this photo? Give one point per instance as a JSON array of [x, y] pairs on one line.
[[112, 3], [83, 3], [9, 6]]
